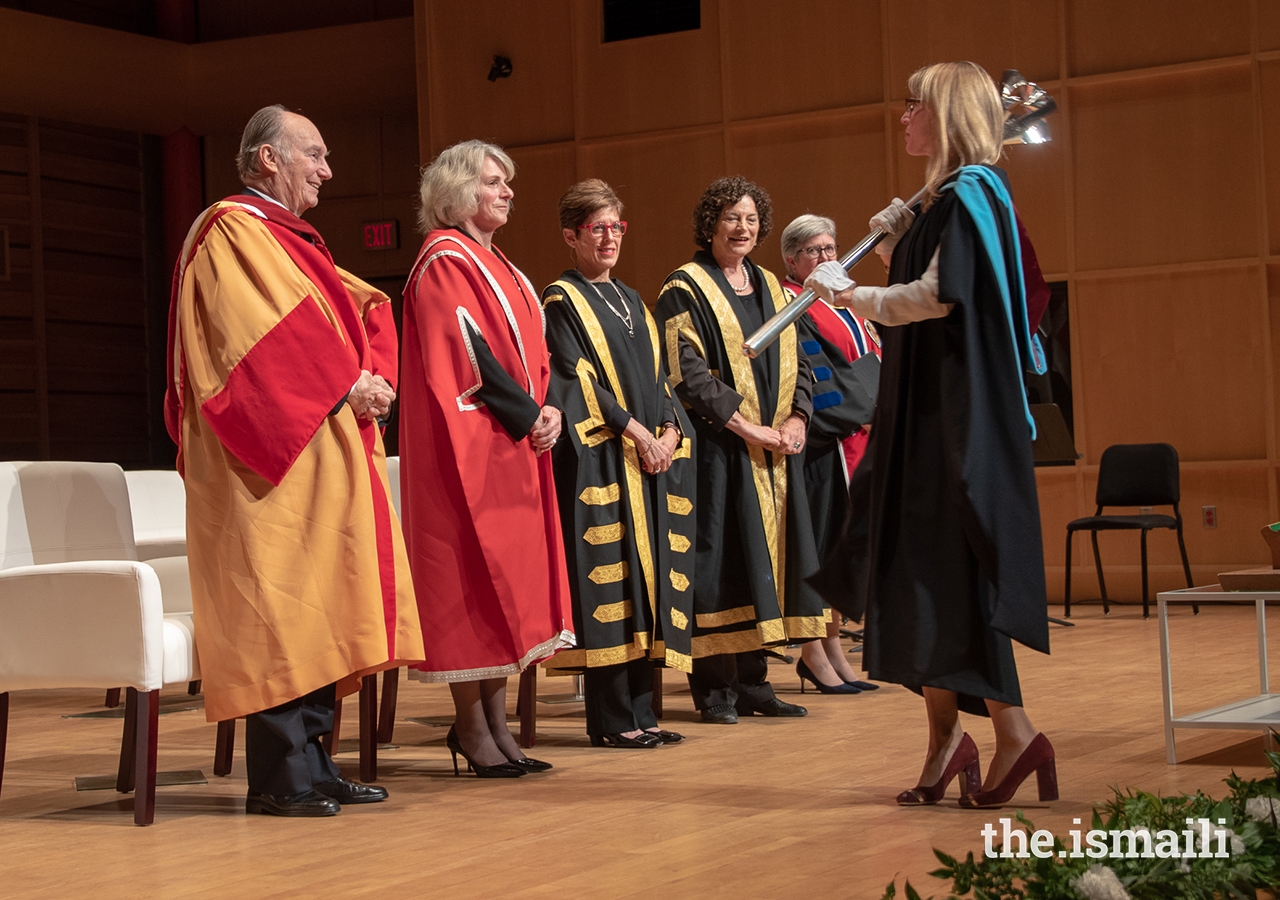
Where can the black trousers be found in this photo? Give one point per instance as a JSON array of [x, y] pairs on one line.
[[731, 679], [619, 698], [282, 749]]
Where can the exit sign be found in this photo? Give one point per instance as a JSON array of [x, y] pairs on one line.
[[382, 235]]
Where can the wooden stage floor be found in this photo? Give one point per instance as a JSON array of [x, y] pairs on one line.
[[751, 811]]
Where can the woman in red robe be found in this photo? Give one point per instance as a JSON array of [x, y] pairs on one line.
[[478, 494]]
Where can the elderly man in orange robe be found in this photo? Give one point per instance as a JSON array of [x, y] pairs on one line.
[[280, 365]]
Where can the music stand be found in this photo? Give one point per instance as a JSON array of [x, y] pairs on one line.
[[1053, 446]]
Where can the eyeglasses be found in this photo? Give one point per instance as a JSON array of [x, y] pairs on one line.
[[826, 250], [599, 228], [912, 104]]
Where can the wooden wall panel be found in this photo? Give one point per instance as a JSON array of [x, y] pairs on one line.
[[1163, 172], [1058, 506], [1273, 310], [783, 58], [1269, 84], [65, 70], [645, 84], [532, 105], [660, 180], [1105, 36], [1036, 173], [532, 236], [1177, 357], [831, 164], [996, 34], [1268, 25]]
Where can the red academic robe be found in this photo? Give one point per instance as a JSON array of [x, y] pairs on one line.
[[480, 515]]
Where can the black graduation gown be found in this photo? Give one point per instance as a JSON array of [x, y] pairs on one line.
[[755, 537], [948, 558], [628, 535]]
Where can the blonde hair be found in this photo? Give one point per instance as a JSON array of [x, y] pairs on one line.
[[450, 187], [968, 118]]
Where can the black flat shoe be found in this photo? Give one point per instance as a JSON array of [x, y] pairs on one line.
[[774, 709], [501, 770], [667, 737], [642, 741], [308, 804], [530, 765], [346, 791], [720, 714]]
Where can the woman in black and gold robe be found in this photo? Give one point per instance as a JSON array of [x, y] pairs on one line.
[[625, 480], [755, 536]]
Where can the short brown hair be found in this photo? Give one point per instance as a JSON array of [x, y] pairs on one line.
[[585, 198], [725, 192]]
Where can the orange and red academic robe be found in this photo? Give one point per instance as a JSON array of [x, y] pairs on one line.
[[299, 576], [480, 514]]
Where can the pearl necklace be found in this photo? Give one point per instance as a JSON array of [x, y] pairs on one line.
[[746, 282], [625, 319]]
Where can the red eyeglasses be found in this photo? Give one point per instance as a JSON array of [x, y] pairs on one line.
[[599, 228]]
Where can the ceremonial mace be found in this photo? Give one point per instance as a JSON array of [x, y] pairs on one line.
[[1027, 105]]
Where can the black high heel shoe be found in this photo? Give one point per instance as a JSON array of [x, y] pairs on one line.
[[806, 674], [530, 765], [501, 770]]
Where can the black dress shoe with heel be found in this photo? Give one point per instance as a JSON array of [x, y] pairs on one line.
[[666, 737], [346, 791], [501, 770], [530, 765], [308, 804], [806, 674]]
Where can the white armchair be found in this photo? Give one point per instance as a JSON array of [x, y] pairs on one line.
[[158, 506], [77, 610]]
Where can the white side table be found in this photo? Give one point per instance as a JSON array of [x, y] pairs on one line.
[[1257, 713]]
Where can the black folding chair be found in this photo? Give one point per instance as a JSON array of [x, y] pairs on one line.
[[1132, 475]]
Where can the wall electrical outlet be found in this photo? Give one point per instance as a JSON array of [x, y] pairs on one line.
[[1209, 516]]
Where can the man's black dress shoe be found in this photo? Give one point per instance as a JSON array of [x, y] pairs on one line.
[[642, 741], [720, 714], [309, 804], [774, 708], [346, 791]]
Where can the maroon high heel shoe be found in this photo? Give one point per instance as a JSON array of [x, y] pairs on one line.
[[1038, 758], [964, 762]]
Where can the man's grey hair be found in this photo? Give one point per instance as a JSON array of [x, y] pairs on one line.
[[804, 228], [267, 126]]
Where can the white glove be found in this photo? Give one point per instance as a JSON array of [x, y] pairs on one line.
[[893, 220], [829, 279]]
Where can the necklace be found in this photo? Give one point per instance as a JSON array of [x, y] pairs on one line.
[[624, 319], [746, 282]]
